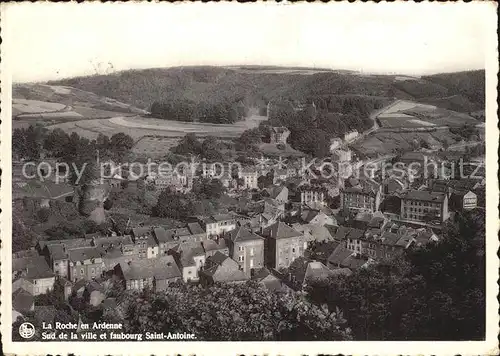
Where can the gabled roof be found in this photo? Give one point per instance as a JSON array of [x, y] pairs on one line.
[[243, 234], [389, 238], [140, 231], [217, 258], [187, 251], [339, 254], [354, 262], [280, 230], [423, 195], [356, 234], [161, 268], [163, 235], [22, 300], [57, 252], [195, 228], [342, 232], [212, 245], [227, 271], [32, 267], [316, 270], [82, 254]]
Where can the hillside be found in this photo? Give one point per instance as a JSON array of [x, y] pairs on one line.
[[250, 87]]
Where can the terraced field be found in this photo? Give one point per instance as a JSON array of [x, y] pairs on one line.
[[382, 143], [137, 127], [410, 114]]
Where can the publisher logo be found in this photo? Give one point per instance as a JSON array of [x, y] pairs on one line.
[[26, 330]]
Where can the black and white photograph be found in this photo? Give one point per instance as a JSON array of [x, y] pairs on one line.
[[291, 175]]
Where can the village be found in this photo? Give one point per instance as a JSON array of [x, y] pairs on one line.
[[292, 227]]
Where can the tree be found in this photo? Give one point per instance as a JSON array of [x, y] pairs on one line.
[[206, 188], [210, 149], [108, 204], [189, 144], [242, 312], [436, 292], [173, 205]]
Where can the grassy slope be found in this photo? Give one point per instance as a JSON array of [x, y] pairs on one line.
[[142, 87]]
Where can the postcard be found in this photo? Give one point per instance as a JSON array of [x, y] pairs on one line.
[[249, 179]]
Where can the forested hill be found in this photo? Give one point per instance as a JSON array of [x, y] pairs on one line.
[[223, 94]]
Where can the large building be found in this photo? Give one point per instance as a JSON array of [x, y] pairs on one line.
[[148, 273], [283, 245], [362, 198], [249, 176], [216, 225], [312, 196], [424, 206], [246, 248], [85, 263], [32, 274]]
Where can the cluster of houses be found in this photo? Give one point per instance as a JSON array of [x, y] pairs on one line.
[[375, 220]]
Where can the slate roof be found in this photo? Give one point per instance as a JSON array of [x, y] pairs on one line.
[[195, 228], [339, 255], [280, 230], [69, 243], [141, 231], [316, 270], [389, 238], [271, 281], [217, 258], [228, 271], [187, 251], [423, 195], [212, 245], [32, 267], [82, 254], [342, 232], [243, 234], [161, 268], [57, 252], [354, 262]]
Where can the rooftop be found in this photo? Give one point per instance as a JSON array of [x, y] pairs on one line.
[[424, 195], [243, 234], [32, 267], [163, 267], [280, 230]]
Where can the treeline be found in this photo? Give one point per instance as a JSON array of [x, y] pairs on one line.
[[313, 127], [35, 141], [223, 111], [238, 312]]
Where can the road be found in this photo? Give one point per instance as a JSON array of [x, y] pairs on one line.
[[373, 117]]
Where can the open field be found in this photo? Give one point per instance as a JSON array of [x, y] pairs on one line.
[[25, 106], [408, 114], [382, 143], [154, 146], [37, 98]]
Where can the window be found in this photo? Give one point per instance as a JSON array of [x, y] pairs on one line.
[[251, 263], [241, 258], [241, 248], [56, 264], [251, 251], [82, 271], [92, 271]]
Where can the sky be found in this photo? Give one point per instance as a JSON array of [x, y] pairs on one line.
[[59, 40]]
